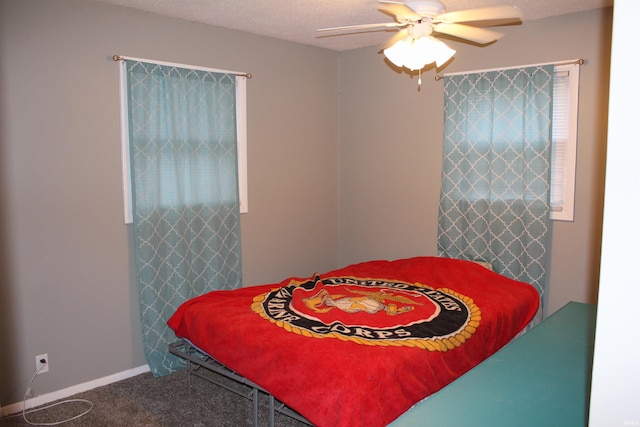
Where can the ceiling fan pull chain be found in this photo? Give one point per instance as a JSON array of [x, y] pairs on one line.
[[420, 77]]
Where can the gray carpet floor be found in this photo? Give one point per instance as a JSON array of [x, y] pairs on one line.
[[144, 400]]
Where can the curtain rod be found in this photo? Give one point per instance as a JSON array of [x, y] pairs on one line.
[[172, 64], [573, 61]]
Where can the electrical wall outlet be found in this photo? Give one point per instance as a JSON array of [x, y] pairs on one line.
[[42, 363]]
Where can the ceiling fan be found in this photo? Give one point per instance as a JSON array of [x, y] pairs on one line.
[[419, 23]]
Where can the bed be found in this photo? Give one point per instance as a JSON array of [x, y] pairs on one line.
[[360, 345]]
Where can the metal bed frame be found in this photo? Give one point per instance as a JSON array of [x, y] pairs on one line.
[[197, 359]]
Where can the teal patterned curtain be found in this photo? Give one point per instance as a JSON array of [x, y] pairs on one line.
[[182, 132], [494, 201]]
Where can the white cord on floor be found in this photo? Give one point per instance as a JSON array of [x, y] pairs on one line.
[[25, 412]]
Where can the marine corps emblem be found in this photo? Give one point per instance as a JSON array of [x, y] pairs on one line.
[[372, 312]]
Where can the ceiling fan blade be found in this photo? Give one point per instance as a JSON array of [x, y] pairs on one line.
[[502, 14], [402, 34], [362, 27], [474, 34], [401, 11]]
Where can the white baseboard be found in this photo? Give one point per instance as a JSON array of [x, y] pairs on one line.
[[70, 391]]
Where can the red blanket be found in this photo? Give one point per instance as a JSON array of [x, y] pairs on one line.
[[360, 345]]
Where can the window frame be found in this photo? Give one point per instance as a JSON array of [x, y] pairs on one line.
[[241, 136], [241, 141], [566, 211]]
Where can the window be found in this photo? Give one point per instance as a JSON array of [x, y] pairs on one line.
[[564, 140], [241, 134]]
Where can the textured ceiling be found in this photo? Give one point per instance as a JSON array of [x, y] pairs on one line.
[[297, 20]]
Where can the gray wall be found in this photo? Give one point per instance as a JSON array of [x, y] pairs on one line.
[[344, 166], [391, 137], [66, 280]]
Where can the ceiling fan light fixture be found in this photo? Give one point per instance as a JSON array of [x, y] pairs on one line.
[[398, 52], [443, 53], [415, 54]]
